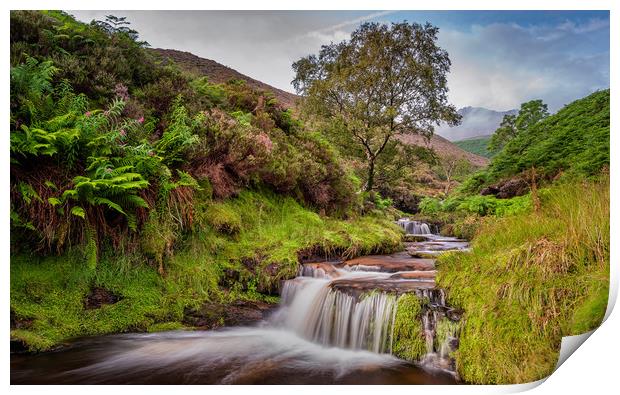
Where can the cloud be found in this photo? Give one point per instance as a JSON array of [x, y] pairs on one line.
[[336, 33], [501, 65]]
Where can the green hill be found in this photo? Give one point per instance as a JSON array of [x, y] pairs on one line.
[[575, 140], [476, 145]]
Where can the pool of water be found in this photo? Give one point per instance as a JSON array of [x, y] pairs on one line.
[[239, 355]]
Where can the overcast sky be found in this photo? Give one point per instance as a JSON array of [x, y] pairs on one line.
[[499, 58]]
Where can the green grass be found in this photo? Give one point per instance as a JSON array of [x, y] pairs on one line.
[[531, 279], [269, 231], [476, 146]]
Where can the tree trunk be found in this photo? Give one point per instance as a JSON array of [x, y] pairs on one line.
[[371, 175]]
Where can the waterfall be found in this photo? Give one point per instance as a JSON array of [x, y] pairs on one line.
[[414, 227], [358, 321], [333, 318]]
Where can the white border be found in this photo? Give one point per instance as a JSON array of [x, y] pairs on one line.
[[592, 369]]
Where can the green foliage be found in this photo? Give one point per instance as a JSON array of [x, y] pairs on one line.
[[49, 292], [215, 93], [511, 126], [476, 204], [223, 218], [178, 138], [530, 279], [31, 90], [573, 142]]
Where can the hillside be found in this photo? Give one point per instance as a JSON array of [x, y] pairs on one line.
[[158, 194], [218, 73], [446, 148], [475, 121], [476, 145], [574, 141]]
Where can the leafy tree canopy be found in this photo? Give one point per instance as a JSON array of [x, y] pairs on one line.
[[386, 80]]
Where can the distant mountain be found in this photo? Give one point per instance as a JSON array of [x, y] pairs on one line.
[[475, 122]]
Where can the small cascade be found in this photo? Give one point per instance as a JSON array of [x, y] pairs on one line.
[[414, 227], [354, 304], [316, 310], [334, 318]]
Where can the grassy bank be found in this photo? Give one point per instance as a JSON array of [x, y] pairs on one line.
[[531, 278], [240, 250]]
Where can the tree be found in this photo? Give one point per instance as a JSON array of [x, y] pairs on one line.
[[384, 81], [529, 114], [453, 168], [119, 25]]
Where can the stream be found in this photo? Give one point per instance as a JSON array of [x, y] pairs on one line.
[[334, 325]]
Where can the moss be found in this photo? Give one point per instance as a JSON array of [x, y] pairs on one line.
[[408, 340], [224, 218], [530, 279], [445, 330]]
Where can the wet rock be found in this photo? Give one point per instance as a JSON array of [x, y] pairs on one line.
[[317, 254], [490, 190], [98, 297], [214, 315], [321, 269], [422, 254], [359, 286], [399, 262], [415, 275], [415, 238], [454, 314], [229, 278]]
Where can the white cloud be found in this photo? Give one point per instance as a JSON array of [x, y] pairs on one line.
[[499, 66]]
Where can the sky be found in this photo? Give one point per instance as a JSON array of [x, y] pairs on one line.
[[500, 59]]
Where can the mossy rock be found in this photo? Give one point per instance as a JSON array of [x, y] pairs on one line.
[[409, 342]]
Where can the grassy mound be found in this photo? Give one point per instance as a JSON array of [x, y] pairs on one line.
[[531, 279]]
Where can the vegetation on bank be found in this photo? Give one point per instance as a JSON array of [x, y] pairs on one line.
[[530, 279], [247, 244], [538, 219], [572, 143]]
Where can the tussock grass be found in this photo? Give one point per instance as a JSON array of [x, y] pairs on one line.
[[531, 279]]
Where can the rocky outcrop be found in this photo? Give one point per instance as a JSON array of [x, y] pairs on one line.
[[507, 189]]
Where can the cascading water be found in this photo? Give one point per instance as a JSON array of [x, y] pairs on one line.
[[414, 227], [317, 307], [333, 318]]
